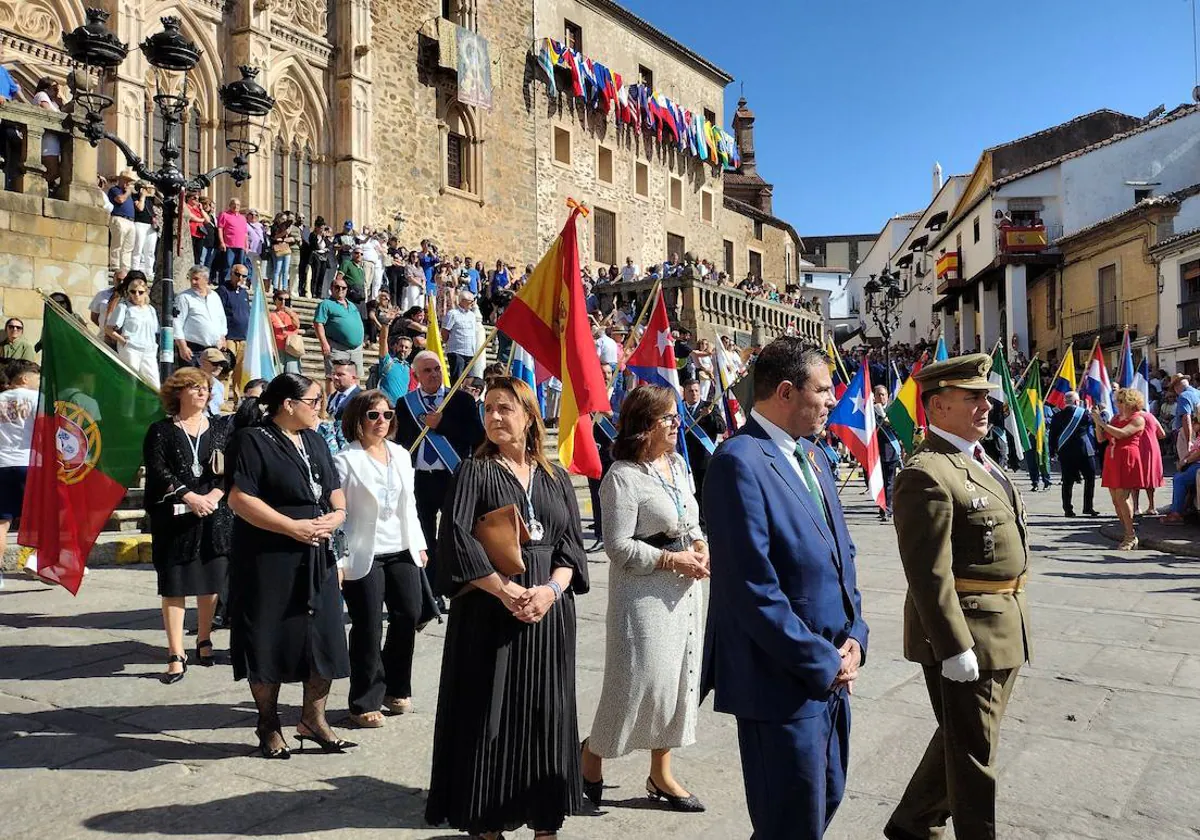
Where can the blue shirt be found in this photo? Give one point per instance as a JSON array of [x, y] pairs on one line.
[[237, 311], [1185, 404], [428, 263], [124, 209], [473, 281], [499, 281], [393, 377], [8, 87]]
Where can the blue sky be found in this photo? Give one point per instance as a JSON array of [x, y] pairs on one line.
[[856, 99]]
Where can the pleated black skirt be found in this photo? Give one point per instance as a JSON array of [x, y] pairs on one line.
[[506, 739]]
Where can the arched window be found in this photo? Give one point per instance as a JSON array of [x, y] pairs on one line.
[[293, 197], [193, 143], [277, 195], [461, 167], [306, 184]]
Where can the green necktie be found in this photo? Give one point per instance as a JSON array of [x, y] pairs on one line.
[[810, 481]]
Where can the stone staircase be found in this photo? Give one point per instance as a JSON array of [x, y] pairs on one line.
[[126, 537]]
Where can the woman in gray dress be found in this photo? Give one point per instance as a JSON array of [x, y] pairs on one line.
[[655, 628]]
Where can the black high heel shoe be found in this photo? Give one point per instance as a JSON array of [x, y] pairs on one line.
[[169, 678], [687, 804], [209, 660], [337, 745], [594, 791], [282, 753]]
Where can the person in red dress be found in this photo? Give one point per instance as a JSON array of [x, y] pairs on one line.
[[1124, 471], [1152, 465]]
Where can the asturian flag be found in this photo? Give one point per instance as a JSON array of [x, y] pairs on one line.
[[853, 420], [1096, 388]]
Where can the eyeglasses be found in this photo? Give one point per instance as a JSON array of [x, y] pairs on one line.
[[311, 401], [199, 389], [670, 420], [375, 415], [241, 274], [14, 326], [337, 287]]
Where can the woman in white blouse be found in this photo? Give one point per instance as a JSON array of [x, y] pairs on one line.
[[384, 562]]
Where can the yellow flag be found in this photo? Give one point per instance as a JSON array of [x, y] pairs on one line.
[[433, 337]]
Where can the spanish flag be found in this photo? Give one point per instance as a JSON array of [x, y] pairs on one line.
[[433, 336], [548, 318]]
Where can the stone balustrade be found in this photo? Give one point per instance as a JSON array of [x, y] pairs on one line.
[[704, 309], [50, 240]]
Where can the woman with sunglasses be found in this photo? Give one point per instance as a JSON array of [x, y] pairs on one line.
[[285, 609], [134, 327], [384, 562], [285, 323], [658, 556]]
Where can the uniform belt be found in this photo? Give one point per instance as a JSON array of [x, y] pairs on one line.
[[990, 587]]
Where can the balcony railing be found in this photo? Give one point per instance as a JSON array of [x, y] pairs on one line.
[[702, 308], [1108, 319], [1189, 318], [1026, 239], [22, 128]]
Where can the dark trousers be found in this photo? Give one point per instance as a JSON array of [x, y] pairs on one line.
[[375, 673], [1034, 467], [458, 363], [225, 261], [795, 771], [889, 470], [1074, 471], [430, 488], [597, 511], [957, 775]]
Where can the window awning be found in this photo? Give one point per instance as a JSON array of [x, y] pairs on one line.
[[937, 220], [919, 243], [905, 260]]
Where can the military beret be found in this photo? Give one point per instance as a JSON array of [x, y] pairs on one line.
[[969, 372]]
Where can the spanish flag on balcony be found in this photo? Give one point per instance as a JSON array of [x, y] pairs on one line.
[[548, 318]]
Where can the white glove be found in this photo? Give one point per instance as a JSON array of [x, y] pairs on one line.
[[961, 668]]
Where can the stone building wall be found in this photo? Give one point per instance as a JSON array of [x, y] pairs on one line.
[[413, 99], [642, 221], [777, 248]]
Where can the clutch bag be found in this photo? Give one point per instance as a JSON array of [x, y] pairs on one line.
[[502, 532]]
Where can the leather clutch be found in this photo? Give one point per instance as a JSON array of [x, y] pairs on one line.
[[502, 532]]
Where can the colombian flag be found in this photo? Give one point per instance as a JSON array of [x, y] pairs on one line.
[[1064, 380], [548, 318]]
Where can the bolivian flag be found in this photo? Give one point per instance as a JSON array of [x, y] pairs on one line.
[[87, 447], [548, 318], [906, 412]]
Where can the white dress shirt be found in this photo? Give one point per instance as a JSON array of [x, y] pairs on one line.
[[785, 442], [201, 319]]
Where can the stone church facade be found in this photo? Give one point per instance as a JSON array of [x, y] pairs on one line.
[[368, 124]]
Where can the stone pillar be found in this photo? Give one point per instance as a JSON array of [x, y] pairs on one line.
[[127, 117], [33, 173], [250, 43], [81, 188], [1016, 308], [966, 325], [354, 170], [989, 311]]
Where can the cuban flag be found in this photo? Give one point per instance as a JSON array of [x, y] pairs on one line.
[[522, 366], [853, 420], [1096, 388]]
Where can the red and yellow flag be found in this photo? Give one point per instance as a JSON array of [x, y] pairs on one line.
[[548, 318]]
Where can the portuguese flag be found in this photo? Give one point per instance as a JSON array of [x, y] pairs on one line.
[[87, 446]]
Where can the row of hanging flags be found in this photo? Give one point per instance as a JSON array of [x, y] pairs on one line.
[[638, 106]]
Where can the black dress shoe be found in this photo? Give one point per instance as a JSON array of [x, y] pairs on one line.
[[1069, 513], [282, 753], [594, 791], [893, 832], [337, 745], [687, 804], [170, 679], [1092, 512]]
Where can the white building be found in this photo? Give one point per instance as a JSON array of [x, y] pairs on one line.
[[831, 280], [1178, 259], [873, 264]]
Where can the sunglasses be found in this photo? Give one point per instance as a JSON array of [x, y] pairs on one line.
[[240, 274], [312, 401], [137, 291], [338, 288], [14, 326], [375, 414]]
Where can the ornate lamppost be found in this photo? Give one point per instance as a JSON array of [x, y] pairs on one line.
[[95, 47], [884, 297]]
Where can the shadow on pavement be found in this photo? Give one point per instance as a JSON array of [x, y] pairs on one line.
[[65, 662], [385, 806], [149, 619]]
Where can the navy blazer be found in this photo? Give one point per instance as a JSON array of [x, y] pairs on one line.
[[784, 594]]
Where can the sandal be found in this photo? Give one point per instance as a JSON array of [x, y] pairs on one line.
[[170, 678], [367, 720], [209, 660], [398, 705]]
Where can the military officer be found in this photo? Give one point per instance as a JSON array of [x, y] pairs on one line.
[[963, 543]]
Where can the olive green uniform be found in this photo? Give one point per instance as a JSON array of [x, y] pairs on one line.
[[965, 550]]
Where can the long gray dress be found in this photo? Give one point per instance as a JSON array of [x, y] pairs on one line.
[[655, 627]]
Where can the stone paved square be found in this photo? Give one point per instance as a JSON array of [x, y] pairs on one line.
[[1101, 740]]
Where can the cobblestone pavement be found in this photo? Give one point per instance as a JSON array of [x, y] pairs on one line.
[[1101, 740]]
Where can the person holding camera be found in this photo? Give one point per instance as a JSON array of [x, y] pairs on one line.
[[147, 219]]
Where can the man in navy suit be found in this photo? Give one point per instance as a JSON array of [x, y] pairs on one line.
[[785, 635]]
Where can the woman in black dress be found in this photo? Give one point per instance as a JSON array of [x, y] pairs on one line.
[[506, 739], [189, 520], [285, 608]]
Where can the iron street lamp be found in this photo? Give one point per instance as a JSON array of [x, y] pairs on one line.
[[99, 51], [884, 298]]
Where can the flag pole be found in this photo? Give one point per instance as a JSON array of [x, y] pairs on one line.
[[654, 290], [462, 377], [78, 325]]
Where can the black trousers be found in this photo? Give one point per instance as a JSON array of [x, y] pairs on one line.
[[597, 511], [458, 363], [429, 487], [1073, 471], [375, 673], [889, 470], [302, 274]]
